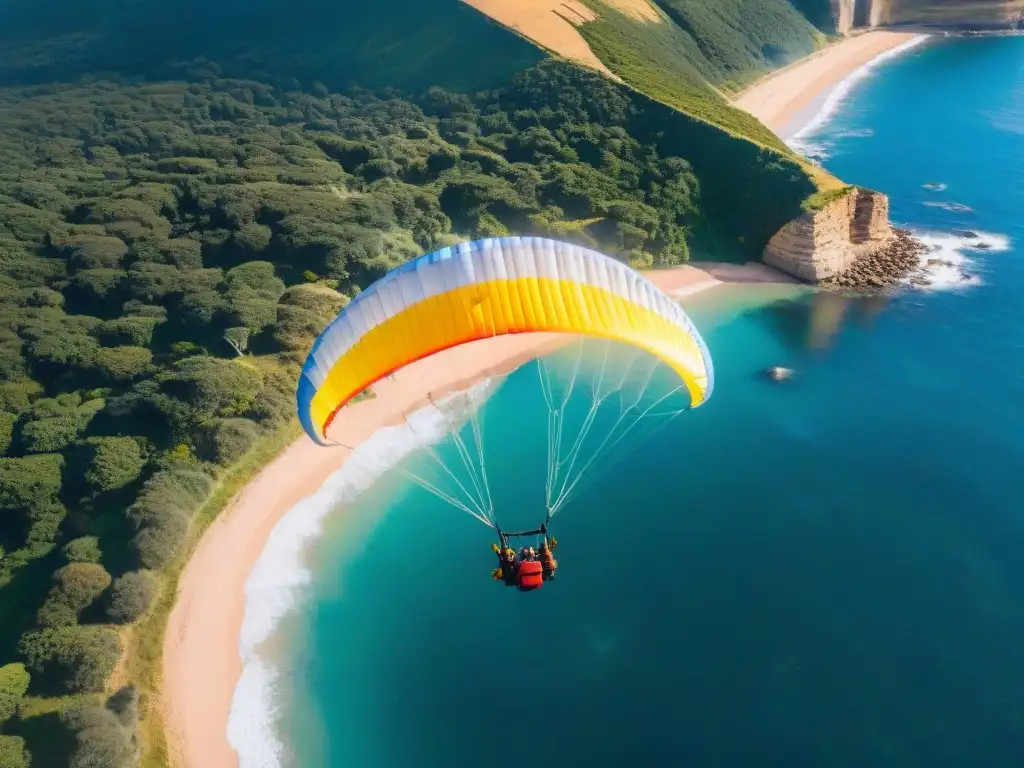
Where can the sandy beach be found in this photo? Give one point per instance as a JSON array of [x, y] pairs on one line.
[[202, 662], [777, 99]]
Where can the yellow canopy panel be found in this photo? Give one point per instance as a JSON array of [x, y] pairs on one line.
[[489, 288]]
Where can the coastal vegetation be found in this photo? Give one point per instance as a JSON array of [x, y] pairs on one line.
[[175, 230]]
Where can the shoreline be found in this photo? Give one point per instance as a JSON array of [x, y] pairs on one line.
[[205, 652], [781, 98]]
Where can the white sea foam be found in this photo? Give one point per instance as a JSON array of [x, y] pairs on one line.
[[280, 579], [949, 262], [801, 140]]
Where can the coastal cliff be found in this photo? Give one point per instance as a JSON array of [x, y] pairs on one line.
[[824, 243], [844, 16], [945, 13]]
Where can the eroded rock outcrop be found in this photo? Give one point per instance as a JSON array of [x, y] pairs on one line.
[[842, 12], [847, 244], [821, 244]]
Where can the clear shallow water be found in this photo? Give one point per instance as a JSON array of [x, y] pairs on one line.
[[821, 573]]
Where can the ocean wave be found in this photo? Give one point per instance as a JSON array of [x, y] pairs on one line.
[[280, 578], [947, 264], [856, 133], [800, 142], [947, 206]]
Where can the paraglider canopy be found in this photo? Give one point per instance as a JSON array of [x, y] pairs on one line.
[[490, 288]]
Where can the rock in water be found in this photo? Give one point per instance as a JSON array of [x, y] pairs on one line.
[[778, 373]]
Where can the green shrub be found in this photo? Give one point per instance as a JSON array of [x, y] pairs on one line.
[[76, 586], [120, 364], [30, 480], [91, 252], [83, 550], [158, 543], [185, 488], [50, 435], [73, 659], [231, 439], [13, 753], [16, 395], [14, 680], [115, 462], [213, 387], [44, 517], [127, 331], [7, 422], [296, 328], [101, 739], [260, 277], [322, 301], [130, 597], [124, 703]]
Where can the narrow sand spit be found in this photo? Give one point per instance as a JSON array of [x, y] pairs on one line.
[[202, 664], [778, 98]]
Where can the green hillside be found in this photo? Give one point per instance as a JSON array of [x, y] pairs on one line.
[[742, 39], [187, 196], [664, 62], [407, 44]]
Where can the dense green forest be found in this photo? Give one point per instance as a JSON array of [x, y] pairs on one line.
[[167, 253], [175, 229]]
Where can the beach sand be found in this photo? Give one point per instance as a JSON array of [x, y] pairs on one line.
[[777, 99], [202, 662]]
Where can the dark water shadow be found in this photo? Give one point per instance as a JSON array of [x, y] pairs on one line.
[[815, 322]]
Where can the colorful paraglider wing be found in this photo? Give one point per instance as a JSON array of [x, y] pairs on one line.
[[489, 288]]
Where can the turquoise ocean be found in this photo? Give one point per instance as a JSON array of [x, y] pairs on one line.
[[823, 572]]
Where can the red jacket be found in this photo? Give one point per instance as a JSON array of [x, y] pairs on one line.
[[531, 574]]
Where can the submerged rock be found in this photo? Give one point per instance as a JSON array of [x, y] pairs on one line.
[[778, 373], [966, 233], [934, 186], [981, 246]]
